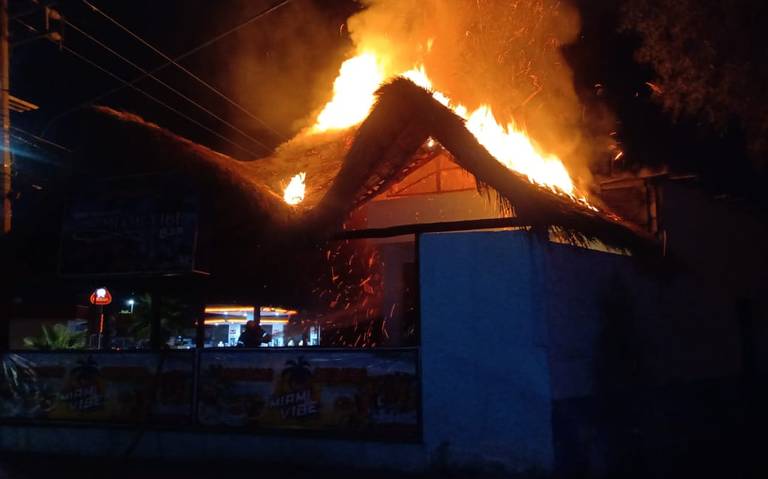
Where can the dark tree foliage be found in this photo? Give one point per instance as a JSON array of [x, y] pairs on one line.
[[711, 62]]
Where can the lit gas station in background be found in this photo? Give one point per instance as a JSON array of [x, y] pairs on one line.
[[225, 323]]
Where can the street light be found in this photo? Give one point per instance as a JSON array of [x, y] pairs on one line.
[[130, 303]]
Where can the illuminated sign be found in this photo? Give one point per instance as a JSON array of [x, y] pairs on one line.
[[101, 297]]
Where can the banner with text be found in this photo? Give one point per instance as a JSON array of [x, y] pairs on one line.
[[366, 393], [101, 387]]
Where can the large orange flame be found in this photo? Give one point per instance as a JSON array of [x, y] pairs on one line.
[[354, 95]]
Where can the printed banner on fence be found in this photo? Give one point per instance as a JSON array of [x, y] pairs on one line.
[[102, 387], [367, 393]]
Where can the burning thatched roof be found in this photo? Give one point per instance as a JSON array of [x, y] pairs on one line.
[[404, 117], [383, 151], [346, 169], [123, 144]]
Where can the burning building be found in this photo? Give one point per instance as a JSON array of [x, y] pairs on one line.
[[434, 288], [446, 278]]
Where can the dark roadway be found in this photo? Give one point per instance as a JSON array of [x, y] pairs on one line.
[[44, 467]]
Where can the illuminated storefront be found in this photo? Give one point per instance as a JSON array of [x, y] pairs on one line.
[[225, 324]]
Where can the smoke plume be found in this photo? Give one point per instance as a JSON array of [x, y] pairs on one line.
[[505, 53], [277, 67]]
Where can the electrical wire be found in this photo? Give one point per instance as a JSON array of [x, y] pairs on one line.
[[178, 58], [29, 27], [166, 85], [41, 140], [182, 68], [156, 100]]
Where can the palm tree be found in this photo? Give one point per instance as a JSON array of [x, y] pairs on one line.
[[18, 373], [141, 324], [297, 373], [171, 312], [59, 336]]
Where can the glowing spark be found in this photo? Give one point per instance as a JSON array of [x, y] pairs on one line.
[[294, 192], [655, 88]]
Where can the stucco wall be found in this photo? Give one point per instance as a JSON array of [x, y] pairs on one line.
[[486, 385], [588, 294], [662, 323], [721, 245], [639, 357]]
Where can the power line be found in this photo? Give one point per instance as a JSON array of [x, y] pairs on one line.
[[29, 27], [166, 85], [135, 80], [42, 140], [232, 30], [33, 146], [156, 100], [185, 70]]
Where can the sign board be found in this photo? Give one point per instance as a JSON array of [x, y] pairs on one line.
[[130, 226], [101, 297], [339, 393], [371, 394], [100, 387]]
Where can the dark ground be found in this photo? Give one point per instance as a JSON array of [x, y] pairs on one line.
[[57, 467]]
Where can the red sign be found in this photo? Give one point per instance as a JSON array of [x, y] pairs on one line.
[[101, 297]]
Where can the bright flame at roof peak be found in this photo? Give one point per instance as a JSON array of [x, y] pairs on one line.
[[354, 95], [294, 192]]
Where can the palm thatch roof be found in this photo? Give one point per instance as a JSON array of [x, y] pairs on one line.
[[123, 144], [404, 117], [345, 169]]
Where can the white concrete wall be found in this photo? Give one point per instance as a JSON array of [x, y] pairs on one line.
[[486, 381], [669, 324], [577, 284]]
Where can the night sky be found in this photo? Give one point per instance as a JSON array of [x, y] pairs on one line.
[[58, 81], [296, 50]]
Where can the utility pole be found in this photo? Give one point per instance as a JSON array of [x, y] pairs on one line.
[[5, 93]]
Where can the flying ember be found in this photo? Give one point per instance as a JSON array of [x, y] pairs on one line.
[[354, 95], [294, 192]]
